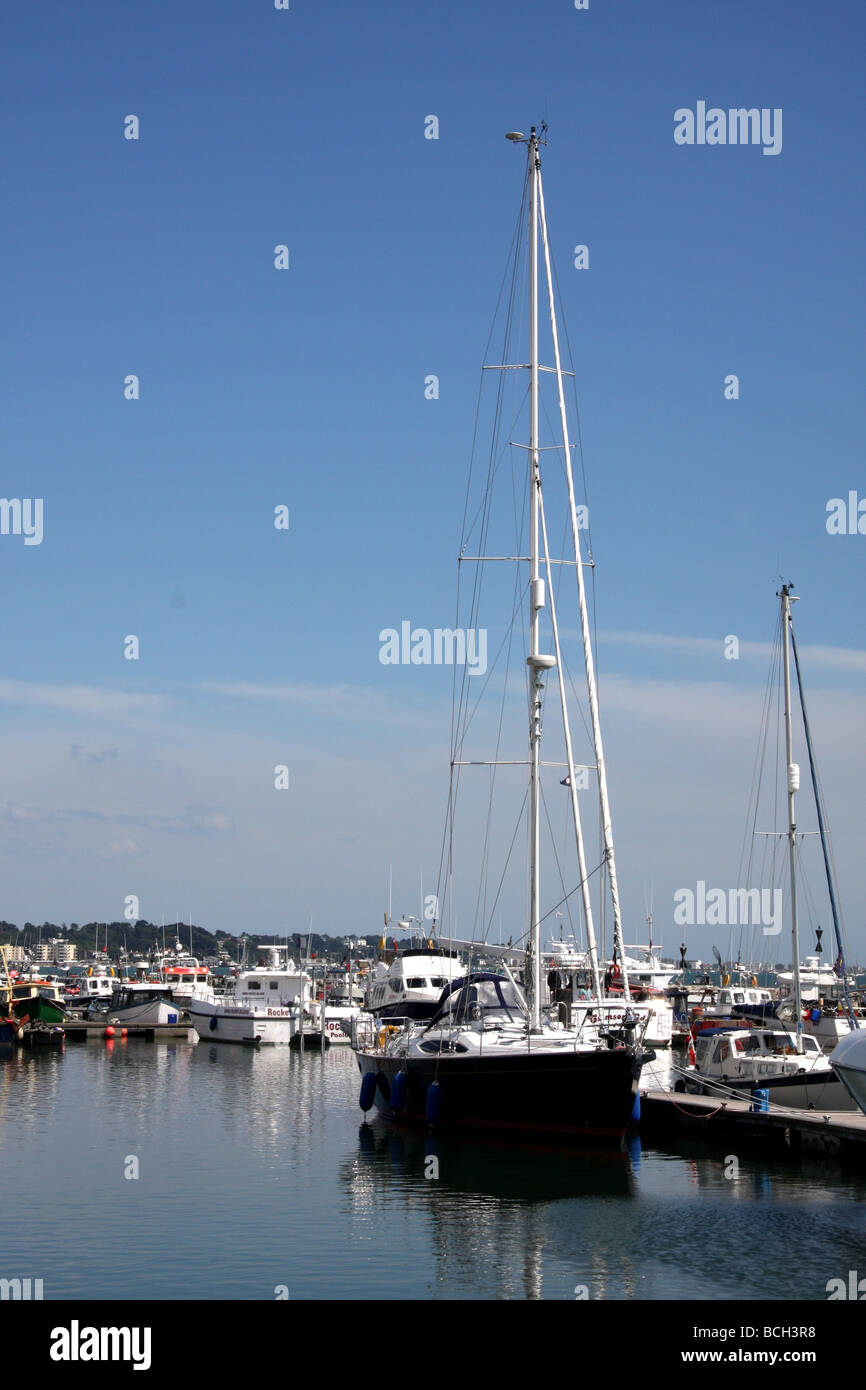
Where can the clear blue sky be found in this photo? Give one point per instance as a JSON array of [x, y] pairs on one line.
[[306, 387]]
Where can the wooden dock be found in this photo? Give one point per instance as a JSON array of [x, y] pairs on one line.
[[781, 1132], [82, 1030]]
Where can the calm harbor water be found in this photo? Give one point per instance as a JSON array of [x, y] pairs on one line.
[[254, 1172]]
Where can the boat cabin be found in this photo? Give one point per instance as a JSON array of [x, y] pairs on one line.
[[278, 983], [88, 989], [411, 986], [724, 1053]]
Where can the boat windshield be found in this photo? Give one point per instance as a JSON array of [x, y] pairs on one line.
[[493, 1001]]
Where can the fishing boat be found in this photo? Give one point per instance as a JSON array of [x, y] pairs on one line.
[[89, 983], [38, 999], [9, 1024], [496, 1054], [184, 975], [266, 1007]]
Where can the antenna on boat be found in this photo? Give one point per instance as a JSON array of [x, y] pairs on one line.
[[648, 902]]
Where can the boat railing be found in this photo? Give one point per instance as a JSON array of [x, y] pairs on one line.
[[370, 1034]]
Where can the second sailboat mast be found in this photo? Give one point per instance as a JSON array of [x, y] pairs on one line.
[[536, 601], [793, 788]]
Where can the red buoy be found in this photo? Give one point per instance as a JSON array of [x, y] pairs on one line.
[[109, 1032], [123, 1032]]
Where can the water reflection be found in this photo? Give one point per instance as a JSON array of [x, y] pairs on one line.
[[261, 1153], [491, 1209]]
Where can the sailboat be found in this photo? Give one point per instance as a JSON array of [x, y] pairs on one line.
[[497, 1054], [777, 1057]]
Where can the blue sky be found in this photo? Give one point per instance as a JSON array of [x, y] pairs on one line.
[[306, 387]]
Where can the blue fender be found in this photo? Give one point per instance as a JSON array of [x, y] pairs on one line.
[[399, 1090], [368, 1090]]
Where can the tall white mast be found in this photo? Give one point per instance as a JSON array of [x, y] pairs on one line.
[[536, 662], [793, 787], [589, 663]]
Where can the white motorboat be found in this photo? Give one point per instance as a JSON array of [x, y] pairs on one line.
[[646, 969], [829, 1023], [817, 981], [827, 999], [569, 982], [743, 1059], [849, 1063], [752, 1002], [85, 987], [411, 985], [338, 1020], [266, 1007], [142, 1004]]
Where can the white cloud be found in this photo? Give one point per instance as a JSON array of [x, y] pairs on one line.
[[359, 703], [831, 658], [81, 699], [122, 849]]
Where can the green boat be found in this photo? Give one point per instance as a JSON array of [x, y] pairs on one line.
[[38, 1001]]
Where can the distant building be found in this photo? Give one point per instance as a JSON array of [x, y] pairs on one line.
[[60, 950], [16, 955]]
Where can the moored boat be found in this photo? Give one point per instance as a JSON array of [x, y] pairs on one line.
[[495, 1054], [784, 1062], [266, 1007], [476, 1065], [38, 1000], [740, 1060], [144, 1005], [849, 1063], [410, 985]]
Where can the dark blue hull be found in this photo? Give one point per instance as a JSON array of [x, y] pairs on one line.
[[564, 1094]]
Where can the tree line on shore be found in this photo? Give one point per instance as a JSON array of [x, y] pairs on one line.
[[140, 937]]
